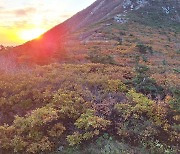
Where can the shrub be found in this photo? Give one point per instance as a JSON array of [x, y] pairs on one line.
[[177, 70], [147, 86], [144, 84], [6, 136], [142, 120], [115, 86], [29, 134], [174, 103], [91, 124], [146, 107], [70, 104], [80, 103], [144, 49], [141, 69], [75, 138], [95, 57], [89, 121], [57, 130]]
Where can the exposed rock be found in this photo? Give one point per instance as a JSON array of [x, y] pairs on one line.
[[166, 10], [60, 149], [134, 4], [121, 18]]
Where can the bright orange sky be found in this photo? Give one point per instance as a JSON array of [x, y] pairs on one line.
[[23, 20]]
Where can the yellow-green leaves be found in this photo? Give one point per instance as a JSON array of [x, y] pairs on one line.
[[115, 86], [91, 126], [89, 121], [70, 103]]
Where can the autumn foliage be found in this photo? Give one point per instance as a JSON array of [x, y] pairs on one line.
[[67, 105]]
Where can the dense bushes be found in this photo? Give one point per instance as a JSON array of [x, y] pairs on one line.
[[72, 107], [141, 120], [31, 133], [146, 85], [92, 126]]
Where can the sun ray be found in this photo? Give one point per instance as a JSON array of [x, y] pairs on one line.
[[30, 34]]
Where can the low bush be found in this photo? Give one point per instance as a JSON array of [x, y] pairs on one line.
[[144, 84], [84, 109], [144, 49], [96, 57]]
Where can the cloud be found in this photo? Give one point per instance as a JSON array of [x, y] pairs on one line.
[[24, 12], [20, 24], [17, 12]]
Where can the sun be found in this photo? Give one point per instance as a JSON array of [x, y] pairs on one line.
[[30, 34]]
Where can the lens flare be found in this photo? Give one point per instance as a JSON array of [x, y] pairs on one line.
[[30, 34]]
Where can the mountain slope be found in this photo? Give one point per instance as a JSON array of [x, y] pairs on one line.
[[145, 12], [110, 83]]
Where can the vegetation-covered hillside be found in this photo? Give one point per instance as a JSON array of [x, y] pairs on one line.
[[108, 88], [64, 107]]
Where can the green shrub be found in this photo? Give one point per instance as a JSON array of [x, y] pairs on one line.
[[144, 84], [174, 103], [177, 70], [147, 86]]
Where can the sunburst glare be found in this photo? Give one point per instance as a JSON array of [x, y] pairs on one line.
[[30, 34]]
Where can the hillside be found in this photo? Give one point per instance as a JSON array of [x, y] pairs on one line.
[[106, 81], [149, 13]]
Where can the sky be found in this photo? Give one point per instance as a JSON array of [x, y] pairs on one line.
[[23, 20]]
